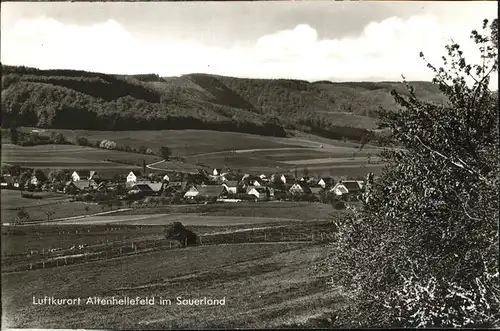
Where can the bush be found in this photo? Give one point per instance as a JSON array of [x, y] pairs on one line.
[[176, 231], [82, 141], [423, 249]]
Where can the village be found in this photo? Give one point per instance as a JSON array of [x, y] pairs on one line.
[[219, 186]]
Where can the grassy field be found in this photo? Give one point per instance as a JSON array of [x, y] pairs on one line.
[[12, 199], [265, 285], [278, 210], [246, 152], [36, 208], [318, 163], [72, 157], [182, 142], [164, 219]]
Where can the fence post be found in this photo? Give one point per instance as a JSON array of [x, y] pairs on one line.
[[43, 264], [312, 237], [201, 240], [321, 236], [265, 237], [31, 266], [282, 238], [170, 242]]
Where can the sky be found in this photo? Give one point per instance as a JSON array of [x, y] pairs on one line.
[[309, 40]]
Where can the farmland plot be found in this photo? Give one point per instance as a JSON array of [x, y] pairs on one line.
[[73, 157], [164, 219]]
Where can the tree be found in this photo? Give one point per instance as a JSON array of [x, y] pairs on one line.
[[22, 215], [86, 209], [82, 141], [177, 231], [14, 134], [165, 152], [58, 138], [48, 213], [24, 177], [40, 175], [423, 249], [56, 175]]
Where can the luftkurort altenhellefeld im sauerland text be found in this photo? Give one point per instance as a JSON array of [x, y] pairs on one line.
[[128, 301]]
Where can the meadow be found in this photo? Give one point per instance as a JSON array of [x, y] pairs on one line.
[[276, 210], [265, 285], [182, 142], [58, 205], [72, 157]]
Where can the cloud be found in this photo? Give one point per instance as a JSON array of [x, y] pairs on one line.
[[384, 50]]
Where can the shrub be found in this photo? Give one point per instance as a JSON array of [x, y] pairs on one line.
[[177, 231], [82, 141], [423, 249]]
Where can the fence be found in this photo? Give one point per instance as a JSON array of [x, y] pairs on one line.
[[59, 258]]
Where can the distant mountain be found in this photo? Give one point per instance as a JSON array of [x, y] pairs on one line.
[[70, 99]]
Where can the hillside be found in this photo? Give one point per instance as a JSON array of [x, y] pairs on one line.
[[70, 99]]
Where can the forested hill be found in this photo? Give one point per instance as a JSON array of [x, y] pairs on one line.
[[70, 99]]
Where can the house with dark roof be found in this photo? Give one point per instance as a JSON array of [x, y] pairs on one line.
[[300, 188], [229, 187], [80, 186], [209, 191], [261, 193], [143, 188]]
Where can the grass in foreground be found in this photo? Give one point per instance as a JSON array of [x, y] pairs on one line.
[[265, 285]]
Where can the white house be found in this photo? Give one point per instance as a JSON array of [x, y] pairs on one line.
[[192, 192], [262, 177], [131, 178], [261, 193], [346, 187], [229, 187], [324, 182], [75, 176], [34, 181], [215, 172], [166, 178]]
